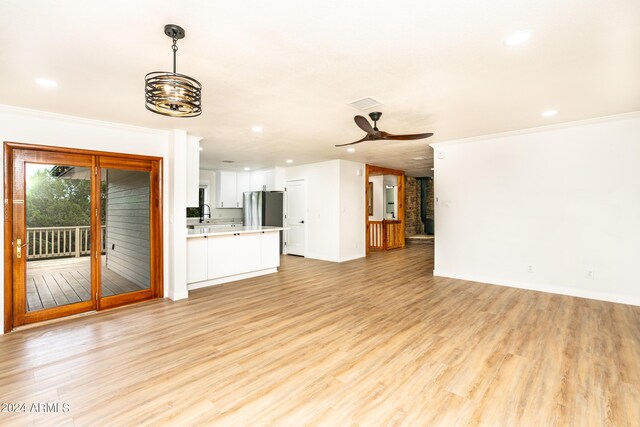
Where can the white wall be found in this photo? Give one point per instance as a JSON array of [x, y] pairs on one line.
[[564, 200], [352, 210], [378, 198], [333, 226], [323, 214], [34, 127]]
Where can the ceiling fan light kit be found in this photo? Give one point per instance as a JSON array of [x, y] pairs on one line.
[[173, 94], [374, 134]]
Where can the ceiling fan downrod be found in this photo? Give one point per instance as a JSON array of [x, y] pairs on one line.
[[375, 116]]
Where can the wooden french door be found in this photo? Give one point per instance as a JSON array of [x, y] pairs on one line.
[[85, 231]]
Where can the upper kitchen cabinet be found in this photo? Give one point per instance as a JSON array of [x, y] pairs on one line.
[[230, 186], [243, 183], [226, 190], [263, 180]]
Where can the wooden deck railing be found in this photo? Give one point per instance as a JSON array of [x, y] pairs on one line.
[[60, 242], [385, 234]]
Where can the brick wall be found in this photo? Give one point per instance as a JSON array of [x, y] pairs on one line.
[[430, 199], [413, 223]]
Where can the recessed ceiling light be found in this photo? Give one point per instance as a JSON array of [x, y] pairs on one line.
[[257, 129], [247, 169], [517, 38], [47, 83], [289, 161], [549, 113], [351, 150]]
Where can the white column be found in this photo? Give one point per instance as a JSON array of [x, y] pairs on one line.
[[178, 215]]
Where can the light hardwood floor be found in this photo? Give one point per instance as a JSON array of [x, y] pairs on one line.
[[370, 342]]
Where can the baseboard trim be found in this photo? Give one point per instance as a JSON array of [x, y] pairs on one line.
[[175, 296], [559, 290], [321, 257], [214, 282], [351, 258]]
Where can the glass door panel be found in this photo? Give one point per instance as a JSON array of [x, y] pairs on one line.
[[126, 232], [58, 235]]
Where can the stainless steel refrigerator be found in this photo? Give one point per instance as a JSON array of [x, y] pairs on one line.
[[264, 208]]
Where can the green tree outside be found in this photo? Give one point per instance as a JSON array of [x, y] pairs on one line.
[[59, 202]]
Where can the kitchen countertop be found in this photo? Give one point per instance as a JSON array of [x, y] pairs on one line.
[[222, 230]]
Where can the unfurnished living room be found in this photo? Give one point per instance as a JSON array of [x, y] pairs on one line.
[[286, 213]]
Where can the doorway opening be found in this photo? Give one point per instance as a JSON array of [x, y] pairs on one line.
[[83, 231], [419, 210], [385, 208]]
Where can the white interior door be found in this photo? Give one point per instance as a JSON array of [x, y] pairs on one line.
[[296, 217]]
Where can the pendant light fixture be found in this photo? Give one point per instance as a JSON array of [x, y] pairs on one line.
[[173, 94]]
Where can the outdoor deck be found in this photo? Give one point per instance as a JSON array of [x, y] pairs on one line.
[[57, 282]]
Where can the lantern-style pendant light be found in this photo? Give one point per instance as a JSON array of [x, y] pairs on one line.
[[173, 94]]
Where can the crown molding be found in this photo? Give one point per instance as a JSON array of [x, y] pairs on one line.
[[27, 112], [528, 131]]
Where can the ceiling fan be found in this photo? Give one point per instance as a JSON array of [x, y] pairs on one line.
[[374, 134]]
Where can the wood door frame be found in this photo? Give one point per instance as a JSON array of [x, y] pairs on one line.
[[156, 204], [155, 216], [371, 170]]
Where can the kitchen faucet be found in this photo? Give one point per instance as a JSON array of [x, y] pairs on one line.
[[202, 214]]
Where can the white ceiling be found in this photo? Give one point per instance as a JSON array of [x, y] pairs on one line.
[[290, 66]]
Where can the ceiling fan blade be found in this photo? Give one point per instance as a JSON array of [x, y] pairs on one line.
[[385, 135], [364, 124], [366, 138]]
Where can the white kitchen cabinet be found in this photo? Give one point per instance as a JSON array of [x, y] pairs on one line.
[[226, 190], [197, 254], [263, 180], [221, 256], [249, 253], [233, 254], [193, 171], [243, 183], [270, 249]]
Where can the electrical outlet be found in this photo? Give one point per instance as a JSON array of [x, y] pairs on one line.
[[589, 273], [529, 268]]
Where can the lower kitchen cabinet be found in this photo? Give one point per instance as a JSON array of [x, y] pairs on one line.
[[270, 250], [233, 254], [219, 256], [197, 259]]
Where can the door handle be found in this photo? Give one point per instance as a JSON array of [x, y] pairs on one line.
[[19, 247]]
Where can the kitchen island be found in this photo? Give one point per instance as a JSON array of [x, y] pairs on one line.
[[218, 255]]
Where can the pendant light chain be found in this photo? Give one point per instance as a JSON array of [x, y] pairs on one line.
[[175, 51]]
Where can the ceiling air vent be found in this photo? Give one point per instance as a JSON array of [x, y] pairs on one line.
[[365, 103], [228, 161]]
